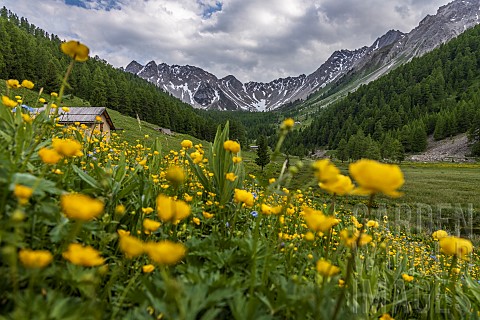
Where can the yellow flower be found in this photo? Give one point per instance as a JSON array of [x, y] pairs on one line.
[[171, 210], [54, 94], [375, 177], [266, 209], [271, 180], [364, 239], [386, 316], [186, 144], [120, 209], [147, 210], [165, 252], [83, 256], [456, 246], [182, 210], [148, 268], [372, 224], [131, 246], [9, 103], [151, 225], [66, 109], [230, 176], [407, 278], [196, 221], [175, 175], [232, 146], [188, 197], [27, 84], [23, 193], [35, 258], [49, 156], [349, 238], [13, 83], [196, 156], [207, 215], [325, 171], [81, 207], [67, 147], [317, 221], [243, 196], [75, 50], [327, 269], [237, 159], [26, 117], [287, 124], [309, 236], [439, 234], [341, 186], [357, 224], [122, 232], [42, 100]]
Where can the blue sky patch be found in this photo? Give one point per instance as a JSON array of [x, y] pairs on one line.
[[209, 10], [106, 5]]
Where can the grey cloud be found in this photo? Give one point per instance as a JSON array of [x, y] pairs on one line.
[[251, 39]]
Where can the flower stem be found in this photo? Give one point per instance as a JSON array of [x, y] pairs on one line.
[[351, 261]]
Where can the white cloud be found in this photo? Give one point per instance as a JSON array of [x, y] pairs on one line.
[[251, 39]]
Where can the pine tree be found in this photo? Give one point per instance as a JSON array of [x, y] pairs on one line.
[[474, 135], [440, 128], [262, 152], [398, 151], [373, 149], [342, 153], [419, 138]]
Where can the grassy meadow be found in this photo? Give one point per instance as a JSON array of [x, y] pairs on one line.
[[141, 225]]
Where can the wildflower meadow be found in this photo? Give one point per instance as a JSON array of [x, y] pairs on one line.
[[92, 227]]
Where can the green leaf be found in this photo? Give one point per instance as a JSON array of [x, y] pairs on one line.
[[85, 177]]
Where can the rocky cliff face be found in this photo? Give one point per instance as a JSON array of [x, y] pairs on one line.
[[449, 21], [203, 90]]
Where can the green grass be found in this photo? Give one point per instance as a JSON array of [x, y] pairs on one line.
[[434, 194], [437, 183], [134, 133], [443, 188]]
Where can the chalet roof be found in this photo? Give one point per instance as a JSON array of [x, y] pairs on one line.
[[85, 115]]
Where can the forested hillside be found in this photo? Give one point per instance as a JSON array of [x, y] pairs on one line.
[[28, 52], [437, 94], [246, 126]]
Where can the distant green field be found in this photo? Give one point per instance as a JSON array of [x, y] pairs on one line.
[[434, 194]]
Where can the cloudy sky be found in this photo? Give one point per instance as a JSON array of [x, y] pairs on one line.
[[255, 40]]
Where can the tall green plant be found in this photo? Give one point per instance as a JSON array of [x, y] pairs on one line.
[[220, 164]]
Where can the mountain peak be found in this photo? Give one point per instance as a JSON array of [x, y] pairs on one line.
[[202, 89], [133, 67], [387, 39]]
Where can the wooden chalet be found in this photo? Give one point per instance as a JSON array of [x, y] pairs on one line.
[[87, 116]]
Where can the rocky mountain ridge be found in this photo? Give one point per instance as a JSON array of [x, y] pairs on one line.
[[204, 90]]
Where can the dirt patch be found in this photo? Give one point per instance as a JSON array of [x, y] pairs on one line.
[[454, 149]]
